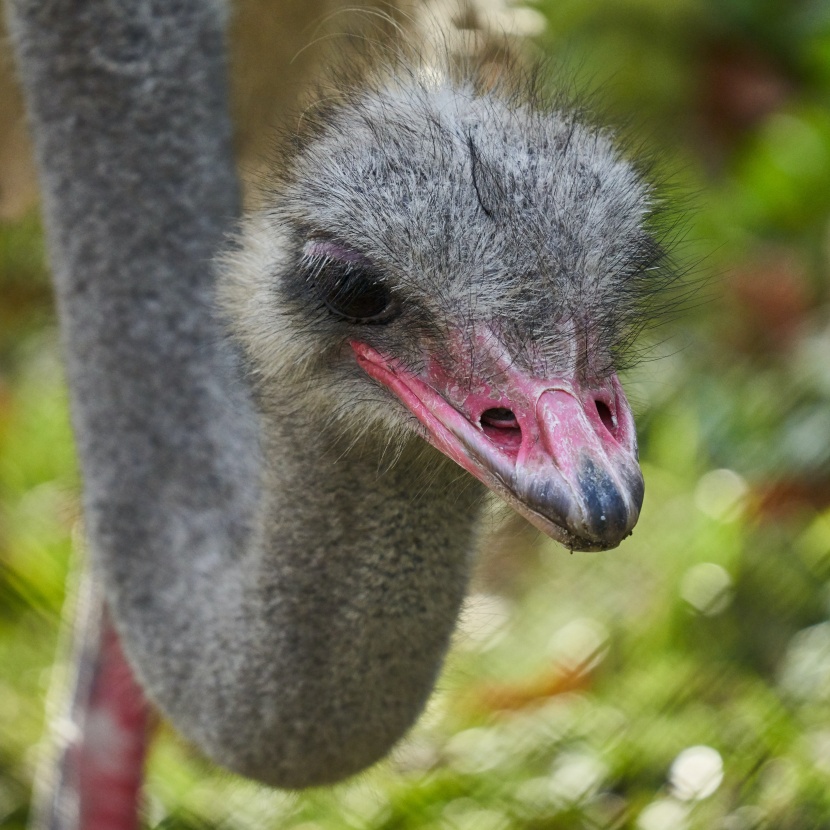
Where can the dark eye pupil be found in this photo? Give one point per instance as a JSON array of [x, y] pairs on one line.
[[356, 296]]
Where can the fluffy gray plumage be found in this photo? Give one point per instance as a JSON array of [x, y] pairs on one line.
[[283, 554], [473, 205]]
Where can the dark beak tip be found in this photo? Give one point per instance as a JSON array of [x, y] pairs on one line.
[[608, 515]]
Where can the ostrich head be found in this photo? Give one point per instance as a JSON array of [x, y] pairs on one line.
[[465, 266]]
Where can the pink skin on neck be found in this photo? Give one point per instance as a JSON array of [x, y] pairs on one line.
[[107, 762], [564, 441]]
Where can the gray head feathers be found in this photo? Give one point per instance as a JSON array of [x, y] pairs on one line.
[[473, 202]]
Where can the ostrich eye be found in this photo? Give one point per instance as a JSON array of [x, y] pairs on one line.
[[355, 295], [348, 285]]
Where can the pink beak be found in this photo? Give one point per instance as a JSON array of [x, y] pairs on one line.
[[560, 452]]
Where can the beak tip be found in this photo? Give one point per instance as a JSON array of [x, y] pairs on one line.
[[610, 512]]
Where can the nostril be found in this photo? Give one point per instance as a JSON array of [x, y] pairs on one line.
[[501, 426], [607, 417], [499, 417]]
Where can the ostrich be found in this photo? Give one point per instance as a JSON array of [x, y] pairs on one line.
[[281, 494]]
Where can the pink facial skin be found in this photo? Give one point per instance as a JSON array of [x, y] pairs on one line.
[[560, 451]]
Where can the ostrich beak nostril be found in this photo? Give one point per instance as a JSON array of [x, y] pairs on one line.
[[500, 417], [501, 426], [607, 416]]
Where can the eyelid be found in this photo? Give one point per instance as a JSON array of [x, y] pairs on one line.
[[329, 249]]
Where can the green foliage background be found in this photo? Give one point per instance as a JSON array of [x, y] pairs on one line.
[[577, 682]]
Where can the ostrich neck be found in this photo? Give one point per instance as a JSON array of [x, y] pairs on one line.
[[302, 658], [366, 577]]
